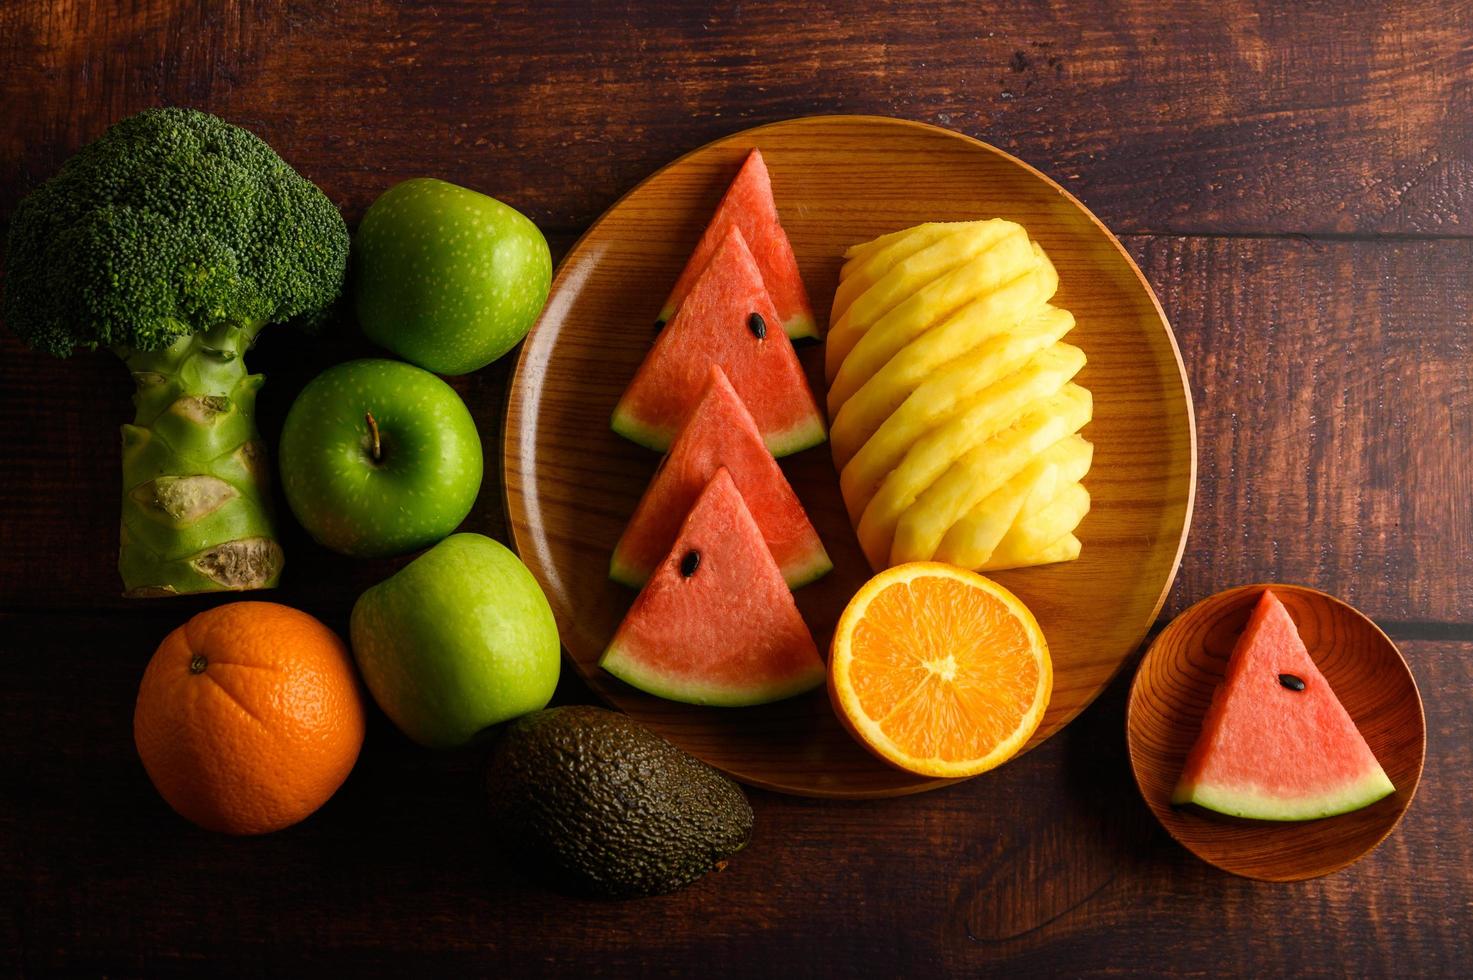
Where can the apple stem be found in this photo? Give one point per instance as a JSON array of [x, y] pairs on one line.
[[373, 434]]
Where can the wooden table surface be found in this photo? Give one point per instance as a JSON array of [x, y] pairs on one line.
[[1296, 182]]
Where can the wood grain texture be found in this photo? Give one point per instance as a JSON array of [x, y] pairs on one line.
[[1334, 390], [1333, 385], [571, 484], [1052, 864], [1175, 685], [1209, 116]]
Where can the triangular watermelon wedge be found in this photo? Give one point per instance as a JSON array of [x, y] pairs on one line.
[[1276, 743], [748, 205], [716, 624], [724, 322], [720, 432]]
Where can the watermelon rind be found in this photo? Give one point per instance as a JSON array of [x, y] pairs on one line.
[[800, 327], [625, 424], [634, 673], [805, 435], [809, 572], [1249, 804], [623, 574]]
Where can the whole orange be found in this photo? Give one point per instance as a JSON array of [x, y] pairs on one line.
[[249, 717]]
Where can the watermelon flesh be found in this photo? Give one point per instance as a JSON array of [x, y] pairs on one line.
[[1270, 752], [720, 432], [723, 321], [748, 206], [728, 633]]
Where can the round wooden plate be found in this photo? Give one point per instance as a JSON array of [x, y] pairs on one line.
[[571, 483], [1174, 686]]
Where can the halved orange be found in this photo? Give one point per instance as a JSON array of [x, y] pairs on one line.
[[938, 670]]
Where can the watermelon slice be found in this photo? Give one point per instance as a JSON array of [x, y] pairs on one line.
[[748, 205], [1276, 743], [720, 432], [723, 321], [716, 624]]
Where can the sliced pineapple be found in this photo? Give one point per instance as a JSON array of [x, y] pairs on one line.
[[979, 472], [1066, 548], [1008, 259], [872, 261], [1038, 527], [954, 410], [972, 540], [1012, 447], [880, 392], [930, 284], [992, 518], [953, 419], [937, 450], [943, 393], [856, 257]]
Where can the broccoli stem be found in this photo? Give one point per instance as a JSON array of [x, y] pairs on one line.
[[196, 498]]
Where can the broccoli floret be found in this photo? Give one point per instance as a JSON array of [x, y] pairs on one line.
[[171, 223], [171, 241]]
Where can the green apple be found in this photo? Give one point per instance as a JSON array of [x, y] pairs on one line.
[[446, 277], [379, 457], [459, 639]]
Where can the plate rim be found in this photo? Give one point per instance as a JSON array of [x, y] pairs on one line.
[[1130, 747], [509, 436]]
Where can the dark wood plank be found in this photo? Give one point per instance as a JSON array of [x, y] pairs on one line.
[[1051, 863], [1333, 386], [1356, 921], [1334, 393], [1209, 116]]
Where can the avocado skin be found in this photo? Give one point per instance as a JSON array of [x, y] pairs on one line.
[[609, 807]]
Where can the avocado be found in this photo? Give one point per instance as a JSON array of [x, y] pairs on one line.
[[608, 807]]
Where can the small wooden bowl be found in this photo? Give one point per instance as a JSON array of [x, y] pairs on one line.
[[1174, 687]]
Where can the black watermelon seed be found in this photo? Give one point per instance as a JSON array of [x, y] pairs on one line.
[[1292, 682], [659, 325], [690, 563], [757, 325]]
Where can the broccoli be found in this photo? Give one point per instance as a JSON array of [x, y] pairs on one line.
[[172, 240]]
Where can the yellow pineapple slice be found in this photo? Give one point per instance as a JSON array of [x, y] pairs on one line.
[[930, 284], [1066, 548], [941, 394], [972, 540], [857, 350], [856, 256], [968, 397], [978, 473], [954, 413], [882, 391], [1036, 529], [872, 261], [1012, 446], [991, 519]]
